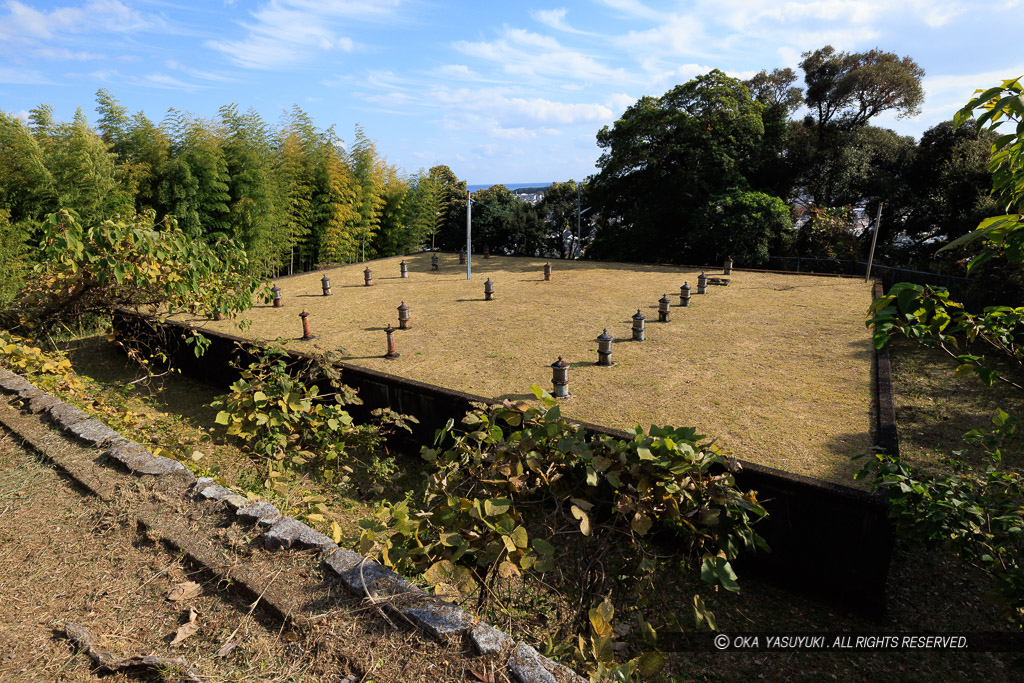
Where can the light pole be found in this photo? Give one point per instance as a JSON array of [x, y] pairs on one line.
[[469, 235], [874, 240]]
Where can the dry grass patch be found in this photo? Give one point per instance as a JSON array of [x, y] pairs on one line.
[[776, 366]]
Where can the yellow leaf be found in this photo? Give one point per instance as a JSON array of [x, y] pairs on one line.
[[335, 532]]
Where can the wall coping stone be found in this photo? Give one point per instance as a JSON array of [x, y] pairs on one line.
[[361, 575]]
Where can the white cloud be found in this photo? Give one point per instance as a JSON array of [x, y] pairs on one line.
[[66, 55], [286, 32], [460, 71], [15, 76], [620, 102], [103, 16], [555, 18], [634, 9], [526, 54], [196, 73], [677, 35]]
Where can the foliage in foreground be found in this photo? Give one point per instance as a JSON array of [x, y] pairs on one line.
[[507, 489], [278, 412], [91, 270], [978, 511]]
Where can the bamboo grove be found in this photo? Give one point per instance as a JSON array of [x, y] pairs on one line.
[[293, 195]]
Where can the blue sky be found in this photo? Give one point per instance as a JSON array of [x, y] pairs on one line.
[[499, 91]]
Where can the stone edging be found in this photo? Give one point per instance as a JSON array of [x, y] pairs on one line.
[[362, 576]]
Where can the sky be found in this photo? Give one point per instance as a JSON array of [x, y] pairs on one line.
[[501, 92]]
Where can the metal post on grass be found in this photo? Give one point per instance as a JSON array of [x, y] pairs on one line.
[[404, 268], [874, 240], [434, 262], [278, 302], [488, 290], [368, 277], [390, 332], [325, 284], [547, 271], [560, 378], [306, 334]]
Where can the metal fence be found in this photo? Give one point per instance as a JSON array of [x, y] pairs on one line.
[[887, 274]]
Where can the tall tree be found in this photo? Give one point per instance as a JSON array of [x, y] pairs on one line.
[[370, 177], [395, 234], [558, 211], [844, 92], [84, 173], [452, 234], [194, 185], [424, 209], [665, 158], [336, 211], [26, 185], [249, 157]]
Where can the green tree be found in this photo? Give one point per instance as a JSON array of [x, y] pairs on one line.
[[978, 510], [558, 211], [942, 192], [452, 235], [395, 234], [296, 173], [663, 160], [84, 173], [91, 270], [370, 176], [748, 226], [336, 208], [424, 209], [844, 92], [194, 180], [249, 157], [13, 258], [774, 169], [26, 184]]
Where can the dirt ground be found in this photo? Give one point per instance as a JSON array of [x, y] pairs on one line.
[[777, 367], [67, 556]]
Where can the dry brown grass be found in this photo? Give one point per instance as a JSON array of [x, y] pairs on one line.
[[777, 367]]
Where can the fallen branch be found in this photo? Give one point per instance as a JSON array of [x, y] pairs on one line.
[[83, 639]]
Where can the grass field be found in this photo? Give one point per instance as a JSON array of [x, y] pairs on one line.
[[777, 367]]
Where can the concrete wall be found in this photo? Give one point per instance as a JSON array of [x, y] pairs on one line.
[[828, 540]]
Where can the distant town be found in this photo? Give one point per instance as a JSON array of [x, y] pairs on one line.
[[530, 193]]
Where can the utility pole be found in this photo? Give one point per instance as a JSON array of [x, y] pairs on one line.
[[469, 235], [874, 240]]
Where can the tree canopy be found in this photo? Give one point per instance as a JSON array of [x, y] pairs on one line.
[[668, 159]]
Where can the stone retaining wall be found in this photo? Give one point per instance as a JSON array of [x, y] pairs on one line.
[[828, 540], [361, 576]]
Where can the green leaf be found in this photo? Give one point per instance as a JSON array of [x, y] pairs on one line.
[[496, 506], [223, 418], [507, 570], [641, 523], [520, 537], [601, 618], [542, 546], [650, 663]]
